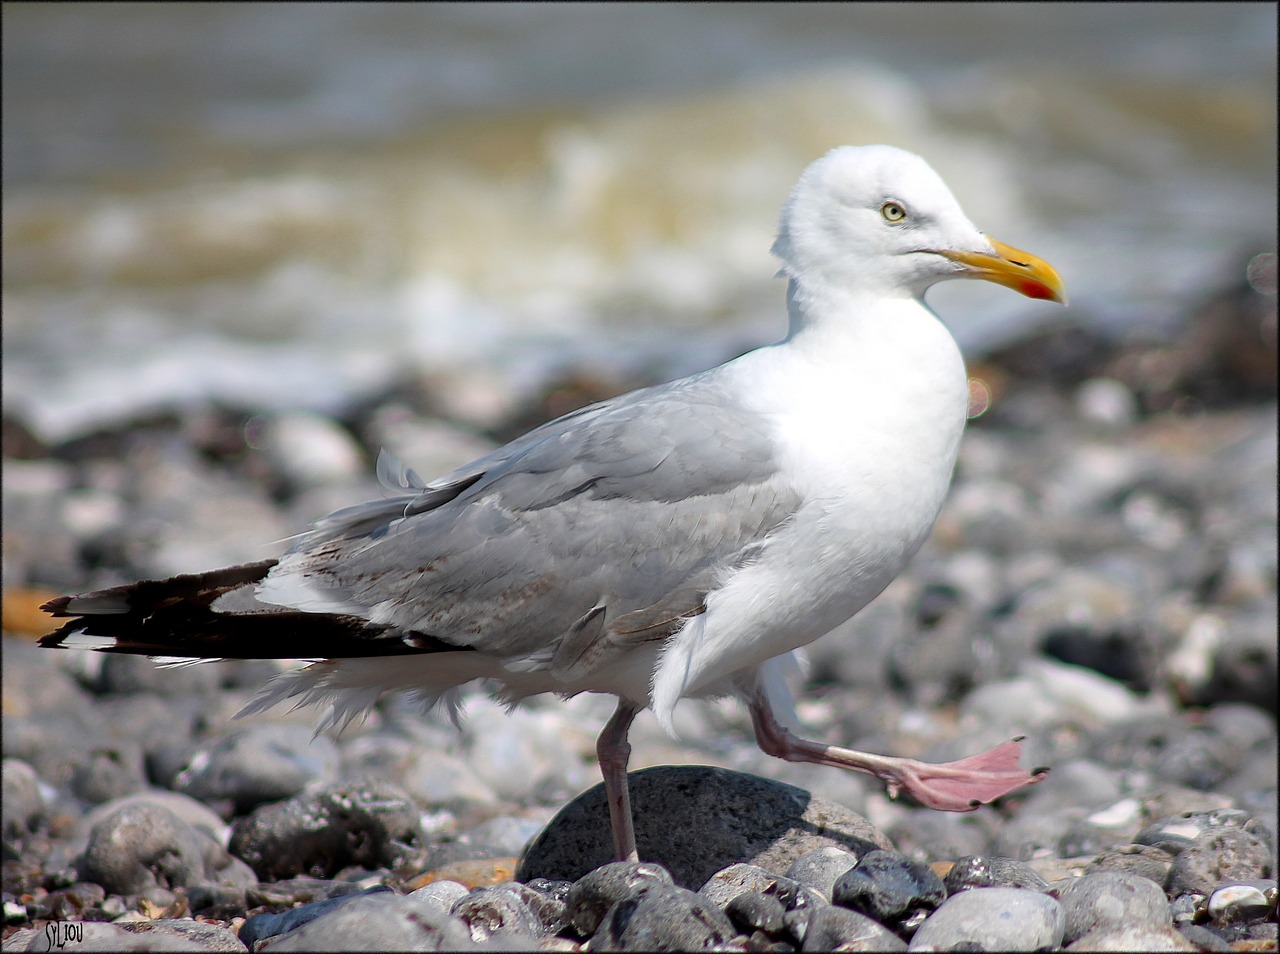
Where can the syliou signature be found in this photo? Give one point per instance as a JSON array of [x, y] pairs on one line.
[[61, 933]]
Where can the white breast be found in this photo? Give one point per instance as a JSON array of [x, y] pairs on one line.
[[867, 426]]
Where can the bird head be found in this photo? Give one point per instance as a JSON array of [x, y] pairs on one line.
[[879, 220]]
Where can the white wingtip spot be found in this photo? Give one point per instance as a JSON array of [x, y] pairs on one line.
[[79, 639]]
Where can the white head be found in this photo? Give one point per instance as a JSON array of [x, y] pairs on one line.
[[878, 220]]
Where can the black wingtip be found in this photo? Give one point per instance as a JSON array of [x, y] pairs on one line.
[[56, 606]]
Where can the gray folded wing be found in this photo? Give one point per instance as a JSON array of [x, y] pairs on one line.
[[598, 530]]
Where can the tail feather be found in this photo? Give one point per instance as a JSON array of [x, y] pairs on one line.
[[177, 618]]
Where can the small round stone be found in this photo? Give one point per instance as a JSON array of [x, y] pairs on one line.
[[820, 869], [977, 871], [753, 911], [663, 918], [143, 846], [1217, 855], [592, 895], [1110, 900], [993, 919], [495, 913], [440, 896], [1245, 901], [838, 929], [1125, 939], [22, 800], [258, 764], [887, 886]]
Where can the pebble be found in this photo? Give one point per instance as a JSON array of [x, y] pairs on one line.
[[257, 764], [819, 870], [593, 895], [663, 918], [384, 921], [1127, 939], [266, 925], [994, 919], [502, 912], [753, 911], [1217, 855], [839, 929], [1145, 861], [370, 823], [440, 896], [728, 883], [1108, 900], [23, 803], [991, 872], [306, 450], [143, 846], [1244, 901], [888, 887], [441, 780]]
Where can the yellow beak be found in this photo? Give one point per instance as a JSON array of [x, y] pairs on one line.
[[1023, 272]]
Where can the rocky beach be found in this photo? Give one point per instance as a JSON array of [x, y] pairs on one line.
[[1102, 580]]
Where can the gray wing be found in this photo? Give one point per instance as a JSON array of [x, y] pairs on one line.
[[601, 529]]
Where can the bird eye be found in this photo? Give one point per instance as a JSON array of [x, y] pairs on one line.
[[893, 211]]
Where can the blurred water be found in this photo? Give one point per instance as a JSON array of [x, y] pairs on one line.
[[285, 204]]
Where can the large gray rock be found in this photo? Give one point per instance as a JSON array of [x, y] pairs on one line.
[[695, 819]]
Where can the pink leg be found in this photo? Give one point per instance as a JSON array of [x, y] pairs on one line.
[[950, 787], [613, 750]]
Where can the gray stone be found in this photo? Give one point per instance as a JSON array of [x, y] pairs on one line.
[[257, 764], [690, 819], [725, 885], [440, 896], [1217, 855], [595, 893], [1109, 900], [143, 846], [367, 822], [1133, 939], [194, 813], [1242, 901], [506, 835], [926, 835], [888, 887], [308, 450], [663, 918], [23, 803], [1202, 939], [839, 929], [209, 937], [440, 780], [753, 911], [821, 868], [269, 924], [1145, 861], [524, 755], [378, 922], [108, 773], [975, 871], [993, 919], [500, 913]]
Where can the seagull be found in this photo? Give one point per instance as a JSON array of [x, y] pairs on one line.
[[683, 540]]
